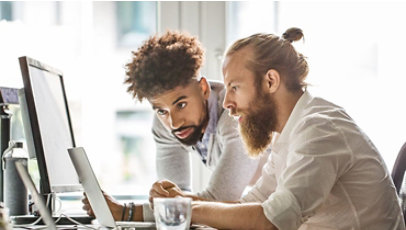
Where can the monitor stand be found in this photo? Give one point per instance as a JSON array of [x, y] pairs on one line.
[[29, 219]]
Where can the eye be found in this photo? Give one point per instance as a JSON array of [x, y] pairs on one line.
[[181, 105], [161, 112], [234, 88]]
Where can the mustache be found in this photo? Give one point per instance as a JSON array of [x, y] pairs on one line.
[[232, 112], [183, 128]]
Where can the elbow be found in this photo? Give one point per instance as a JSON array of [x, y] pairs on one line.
[[263, 223], [267, 226]]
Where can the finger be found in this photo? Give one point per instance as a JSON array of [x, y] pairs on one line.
[[167, 184], [151, 202], [88, 209], [161, 190], [85, 200], [154, 194], [173, 192], [90, 213]]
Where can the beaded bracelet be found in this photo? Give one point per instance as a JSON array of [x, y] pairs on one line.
[[131, 212], [124, 208]]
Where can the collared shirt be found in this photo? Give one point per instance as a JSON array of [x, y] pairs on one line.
[[201, 146], [324, 173]]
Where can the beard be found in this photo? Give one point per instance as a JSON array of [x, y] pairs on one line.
[[258, 124], [197, 133]]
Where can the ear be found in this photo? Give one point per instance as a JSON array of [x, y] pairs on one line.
[[205, 87], [272, 80]]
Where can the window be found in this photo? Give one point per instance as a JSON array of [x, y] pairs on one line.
[[355, 55], [6, 12], [80, 39], [136, 21]]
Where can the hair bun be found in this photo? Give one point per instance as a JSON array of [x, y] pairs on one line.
[[293, 34]]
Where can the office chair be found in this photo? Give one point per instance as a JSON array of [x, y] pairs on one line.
[[399, 168], [398, 172]]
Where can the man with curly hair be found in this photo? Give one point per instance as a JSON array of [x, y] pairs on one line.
[[189, 118]]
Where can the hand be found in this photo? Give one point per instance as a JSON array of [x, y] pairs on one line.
[[115, 207], [164, 188], [86, 205]]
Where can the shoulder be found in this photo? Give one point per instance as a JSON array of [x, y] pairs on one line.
[[323, 114], [227, 126], [321, 124], [160, 132], [215, 84], [217, 87]]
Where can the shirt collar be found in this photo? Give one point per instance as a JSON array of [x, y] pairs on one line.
[[279, 140], [213, 115]]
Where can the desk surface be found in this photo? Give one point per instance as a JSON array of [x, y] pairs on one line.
[[196, 227]]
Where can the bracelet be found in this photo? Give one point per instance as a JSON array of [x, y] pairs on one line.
[[124, 208], [131, 212]]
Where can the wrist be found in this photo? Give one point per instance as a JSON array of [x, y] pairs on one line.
[[123, 212], [137, 213], [131, 210]]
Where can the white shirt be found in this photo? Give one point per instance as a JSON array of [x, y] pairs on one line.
[[324, 173]]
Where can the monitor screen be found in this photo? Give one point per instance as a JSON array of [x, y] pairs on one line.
[[50, 124]]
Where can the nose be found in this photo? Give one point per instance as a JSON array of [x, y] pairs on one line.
[[176, 120], [228, 103]]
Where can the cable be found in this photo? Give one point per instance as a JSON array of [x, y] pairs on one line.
[[36, 221], [75, 222]]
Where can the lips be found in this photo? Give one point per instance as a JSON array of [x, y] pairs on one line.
[[184, 133], [238, 118]]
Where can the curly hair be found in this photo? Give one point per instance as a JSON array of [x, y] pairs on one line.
[[163, 63]]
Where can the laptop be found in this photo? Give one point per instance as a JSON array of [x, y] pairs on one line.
[[94, 193], [38, 199]]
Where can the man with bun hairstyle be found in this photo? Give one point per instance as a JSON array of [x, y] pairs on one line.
[[323, 171], [189, 118]]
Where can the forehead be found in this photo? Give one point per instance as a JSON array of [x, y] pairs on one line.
[[171, 96], [235, 66]]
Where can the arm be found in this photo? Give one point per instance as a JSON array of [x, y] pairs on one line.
[[317, 156], [172, 159], [234, 169], [166, 188], [266, 184], [230, 216], [116, 209]]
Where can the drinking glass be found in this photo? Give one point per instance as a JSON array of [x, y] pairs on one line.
[[172, 213]]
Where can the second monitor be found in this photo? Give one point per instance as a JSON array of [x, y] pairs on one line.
[[48, 123]]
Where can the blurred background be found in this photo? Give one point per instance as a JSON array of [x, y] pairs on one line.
[[355, 51]]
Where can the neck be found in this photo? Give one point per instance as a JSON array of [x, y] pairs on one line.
[[206, 118], [286, 103]]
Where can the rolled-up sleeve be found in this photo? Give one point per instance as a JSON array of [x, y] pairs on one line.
[[265, 185], [317, 155]]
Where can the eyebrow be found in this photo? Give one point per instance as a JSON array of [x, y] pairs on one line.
[[231, 82], [174, 102], [178, 99]]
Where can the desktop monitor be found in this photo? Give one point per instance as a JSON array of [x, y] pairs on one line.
[[48, 126]]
